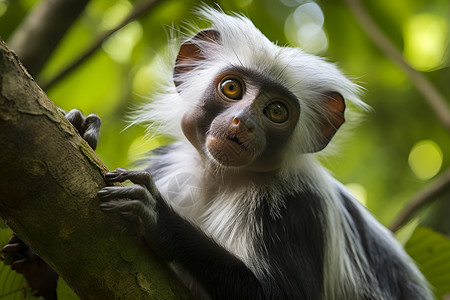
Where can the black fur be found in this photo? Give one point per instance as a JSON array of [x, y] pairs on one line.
[[292, 241], [220, 273], [294, 244], [392, 278]]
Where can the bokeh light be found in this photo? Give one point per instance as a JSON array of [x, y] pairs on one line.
[[426, 41], [304, 28], [3, 7], [425, 159], [120, 46]]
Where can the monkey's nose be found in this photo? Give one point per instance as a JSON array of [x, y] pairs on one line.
[[246, 126]]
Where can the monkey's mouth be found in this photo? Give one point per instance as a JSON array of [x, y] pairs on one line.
[[237, 141], [228, 150]]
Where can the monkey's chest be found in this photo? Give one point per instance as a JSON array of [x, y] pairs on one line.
[[225, 217]]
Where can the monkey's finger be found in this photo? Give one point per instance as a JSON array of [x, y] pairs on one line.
[[136, 192], [118, 175], [91, 138], [132, 209], [123, 207], [20, 264], [92, 121], [130, 216], [91, 128], [76, 118], [14, 238], [14, 248], [141, 177], [122, 192]]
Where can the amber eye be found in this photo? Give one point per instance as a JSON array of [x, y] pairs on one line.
[[231, 88], [276, 112]]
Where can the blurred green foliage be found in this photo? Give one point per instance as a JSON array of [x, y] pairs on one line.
[[377, 162], [431, 252], [374, 159]]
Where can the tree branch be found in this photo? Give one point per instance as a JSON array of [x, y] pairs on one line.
[[425, 196], [140, 9], [42, 30], [433, 97], [48, 183]]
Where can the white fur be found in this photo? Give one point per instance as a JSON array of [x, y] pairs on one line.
[[226, 215], [307, 76]]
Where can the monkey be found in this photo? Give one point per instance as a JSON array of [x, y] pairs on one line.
[[239, 206], [265, 220]]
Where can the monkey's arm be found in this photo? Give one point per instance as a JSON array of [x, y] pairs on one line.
[[175, 239]]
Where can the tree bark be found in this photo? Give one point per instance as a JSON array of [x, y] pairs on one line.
[[49, 178]]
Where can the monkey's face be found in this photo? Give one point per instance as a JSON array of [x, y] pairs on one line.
[[245, 119]]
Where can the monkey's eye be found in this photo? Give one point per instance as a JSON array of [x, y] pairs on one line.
[[231, 88], [276, 112]]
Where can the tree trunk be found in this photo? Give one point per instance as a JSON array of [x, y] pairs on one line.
[[49, 178]]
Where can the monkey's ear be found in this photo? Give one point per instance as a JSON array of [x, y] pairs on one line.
[[192, 52], [331, 119]]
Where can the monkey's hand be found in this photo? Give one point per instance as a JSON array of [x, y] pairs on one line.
[[174, 239], [140, 201], [88, 127], [39, 274]]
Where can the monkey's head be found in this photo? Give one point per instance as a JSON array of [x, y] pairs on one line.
[[251, 102]]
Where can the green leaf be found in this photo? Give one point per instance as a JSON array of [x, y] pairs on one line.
[[64, 292], [12, 285], [431, 251], [404, 233]]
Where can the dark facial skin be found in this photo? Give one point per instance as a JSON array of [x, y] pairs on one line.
[[244, 120]]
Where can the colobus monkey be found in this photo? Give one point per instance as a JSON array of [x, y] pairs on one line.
[[239, 205]]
